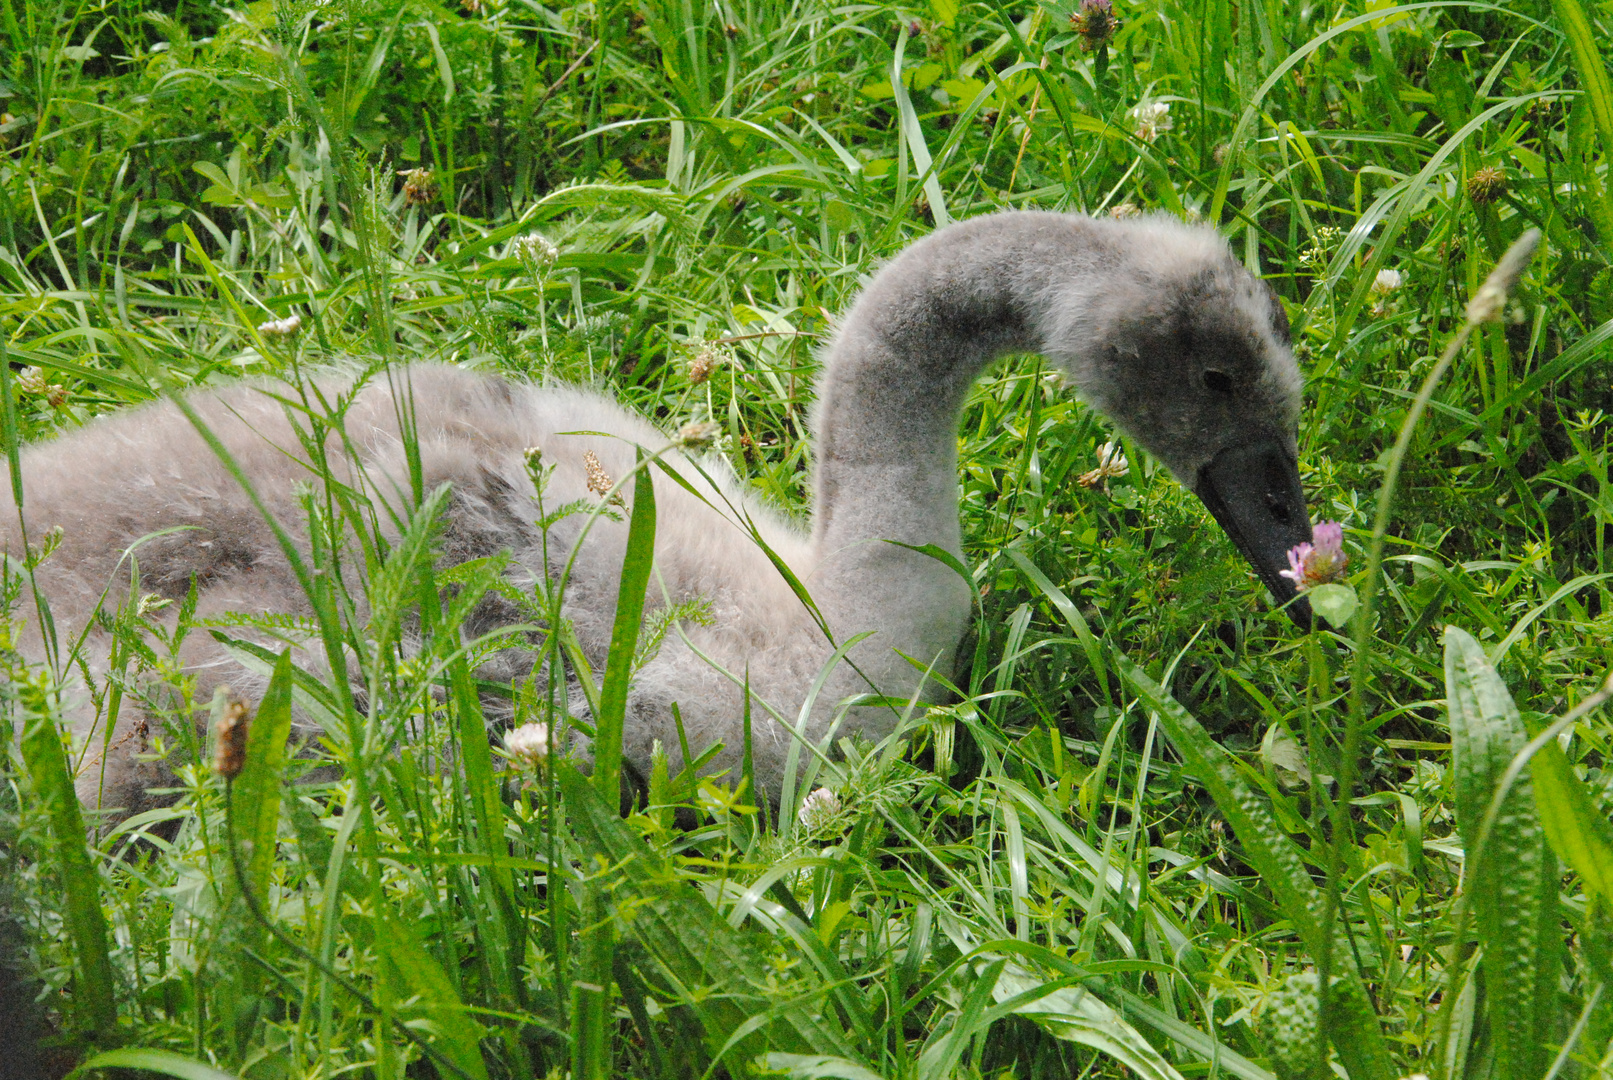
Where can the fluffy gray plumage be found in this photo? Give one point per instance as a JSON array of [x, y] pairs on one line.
[[1155, 323]]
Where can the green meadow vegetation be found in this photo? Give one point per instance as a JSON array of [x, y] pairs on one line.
[[1160, 832]]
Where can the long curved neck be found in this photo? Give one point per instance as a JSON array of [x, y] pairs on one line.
[[898, 374]]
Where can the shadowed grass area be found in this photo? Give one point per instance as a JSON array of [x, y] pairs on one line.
[[1157, 821]]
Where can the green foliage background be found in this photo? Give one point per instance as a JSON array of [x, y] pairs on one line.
[[1043, 882]]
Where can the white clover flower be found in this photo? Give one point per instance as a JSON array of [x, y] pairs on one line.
[[818, 809], [1383, 285], [1152, 117], [1111, 463], [281, 328], [528, 744]]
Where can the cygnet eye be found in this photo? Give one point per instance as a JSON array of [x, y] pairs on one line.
[[1218, 381]]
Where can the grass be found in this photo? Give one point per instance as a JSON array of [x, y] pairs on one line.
[[1158, 819]]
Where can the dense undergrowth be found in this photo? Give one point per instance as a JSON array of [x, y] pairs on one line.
[[1062, 873]]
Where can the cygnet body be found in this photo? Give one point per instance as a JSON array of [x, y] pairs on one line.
[[1154, 323]]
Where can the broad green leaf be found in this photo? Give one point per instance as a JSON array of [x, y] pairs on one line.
[[1077, 1015], [1335, 603], [86, 922], [423, 995], [1575, 826], [255, 793], [819, 1067], [162, 1062], [1513, 877]]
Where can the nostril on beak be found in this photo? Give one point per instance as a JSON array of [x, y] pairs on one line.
[[1278, 507]]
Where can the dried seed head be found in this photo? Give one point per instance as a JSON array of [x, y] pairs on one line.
[[1491, 298], [1095, 23], [229, 743], [707, 359], [700, 433], [1486, 185], [599, 481], [150, 604], [419, 186], [1122, 211]]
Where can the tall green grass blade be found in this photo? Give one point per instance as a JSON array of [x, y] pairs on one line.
[[1077, 1015], [819, 1067], [94, 991], [1512, 876], [694, 950], [1575, 826], [1072, 615], [591, 1017], [161, 1062], [917, 149], [425, 998], [8, 418], [1348, 1016], [635, 579], [1592, 72]]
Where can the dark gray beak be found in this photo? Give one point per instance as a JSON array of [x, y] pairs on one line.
[[1254, 492]]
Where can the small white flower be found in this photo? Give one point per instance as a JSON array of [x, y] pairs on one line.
[[1111, 463], [818, 809], [697, 434], [536, 251], [1386, 282], [528, 744], [281, 328], [1152, 117]]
